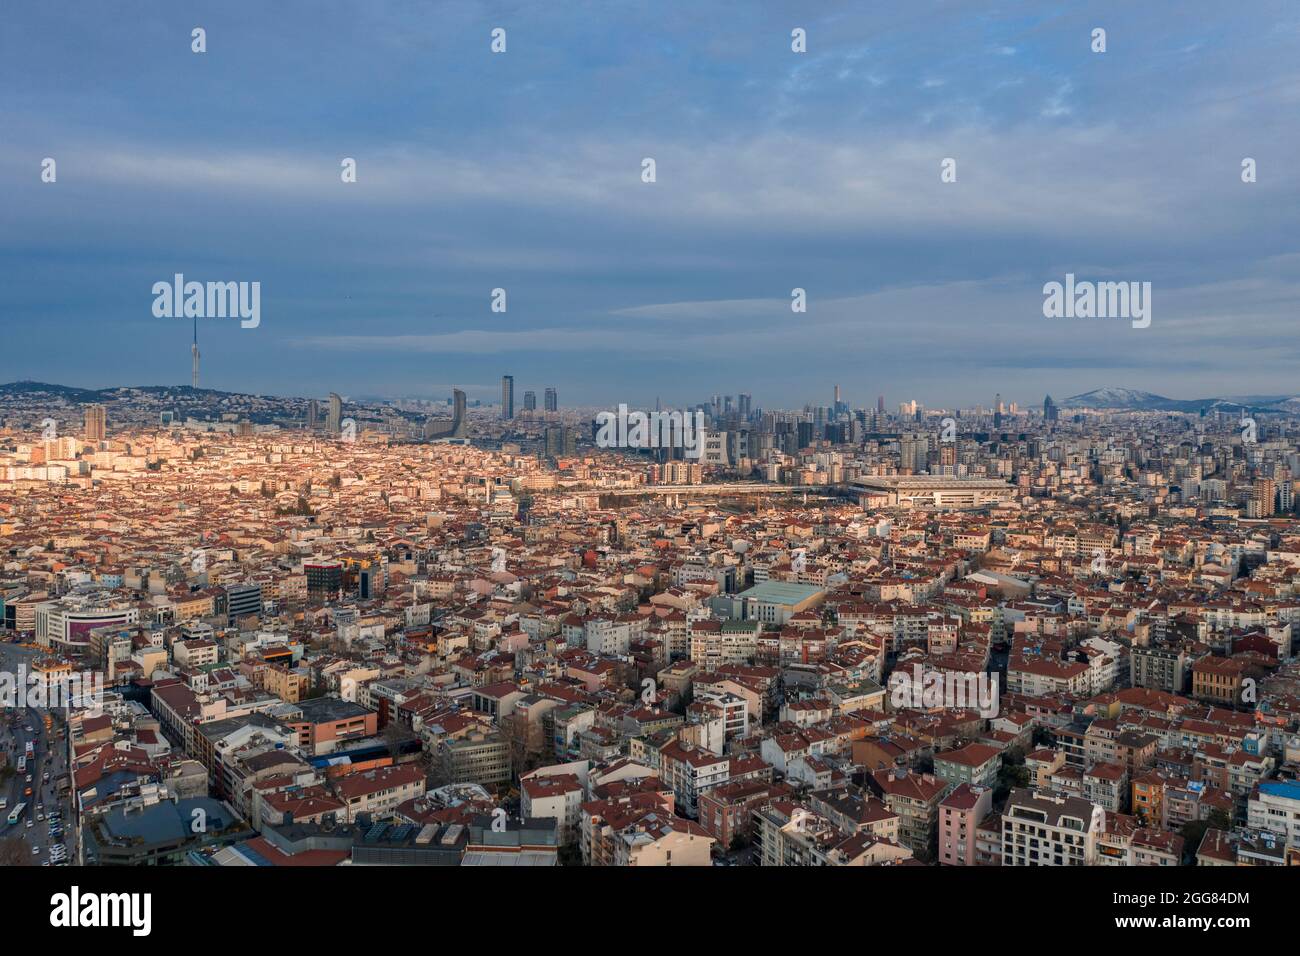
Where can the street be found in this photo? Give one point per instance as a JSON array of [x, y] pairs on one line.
[[18, 725]]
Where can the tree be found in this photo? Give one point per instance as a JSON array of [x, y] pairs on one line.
[[394, 736], [569, 854], [14, 852], [1010, 777], [1193, 832], [438, 766], [525, 741]]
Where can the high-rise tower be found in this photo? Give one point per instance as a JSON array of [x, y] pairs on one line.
[[334, 420], [507, 396], [194, 356], [95, 423], [456, 429]]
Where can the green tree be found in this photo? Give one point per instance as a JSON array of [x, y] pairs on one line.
[[1193, 832]]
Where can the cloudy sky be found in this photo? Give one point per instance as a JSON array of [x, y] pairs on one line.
[[775, 170]]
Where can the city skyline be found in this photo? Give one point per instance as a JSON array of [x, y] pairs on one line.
[[604, 436], [775, 171], [1107, 399]]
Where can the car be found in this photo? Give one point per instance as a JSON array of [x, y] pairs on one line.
[[46, 776], [40, 817], [29, 778], [36, 851], [27, 791], [31, 823]]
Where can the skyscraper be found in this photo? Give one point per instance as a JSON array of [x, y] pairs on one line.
[[560, 441], [507, 396], [552, 401], [456, 429], [458, 413], [1263, 502], [313, 414], [914, 451], [530, 401], [95, 422], [1049, 409], [334, 420]]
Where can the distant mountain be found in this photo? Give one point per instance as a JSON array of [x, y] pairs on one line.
[[38, 390], [1116, 398], [1132, 399], [184, 400], [81, 396]]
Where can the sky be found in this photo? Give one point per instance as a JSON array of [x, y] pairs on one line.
[[774, 170]]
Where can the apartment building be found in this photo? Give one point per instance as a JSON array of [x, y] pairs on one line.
[[915, 798], [1050, 830], [1274, 805], [976, 765], [690, 771], [555, 797], [378, 792], [960, 813]]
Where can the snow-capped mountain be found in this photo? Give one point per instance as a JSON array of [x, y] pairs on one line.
[[1136, 400]]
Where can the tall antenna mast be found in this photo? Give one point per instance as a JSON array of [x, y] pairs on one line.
[[194, 353]]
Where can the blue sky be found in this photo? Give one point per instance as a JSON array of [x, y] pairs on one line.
[[775, 170]]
